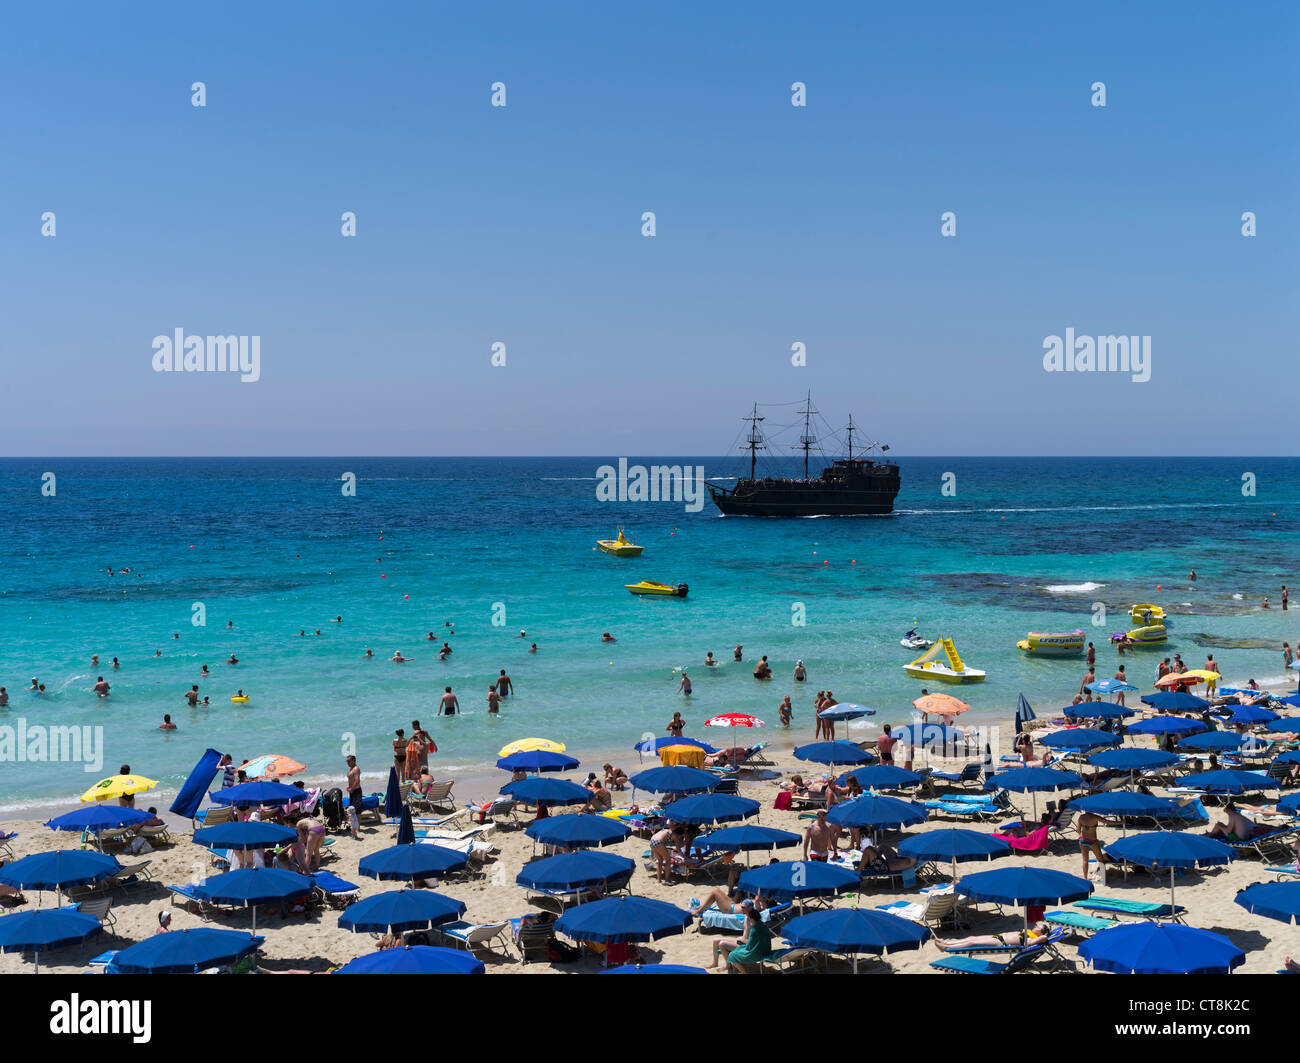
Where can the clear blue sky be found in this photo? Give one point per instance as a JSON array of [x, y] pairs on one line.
[[522, 224]]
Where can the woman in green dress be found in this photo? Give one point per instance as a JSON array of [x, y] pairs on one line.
[[746, 954]]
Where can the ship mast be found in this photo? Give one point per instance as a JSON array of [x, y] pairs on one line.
[[850, 437], [755, 440], [807, 441]]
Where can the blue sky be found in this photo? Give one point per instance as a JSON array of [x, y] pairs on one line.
[[521, 224]]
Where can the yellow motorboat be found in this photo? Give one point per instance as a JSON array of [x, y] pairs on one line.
[[649, 586], [620, 546], [952, 669], [1056, 643], [1145, 614]]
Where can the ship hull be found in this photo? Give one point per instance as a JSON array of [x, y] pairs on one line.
[[801, 503]]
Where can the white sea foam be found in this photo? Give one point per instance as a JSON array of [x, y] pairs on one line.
[[1073, 588]]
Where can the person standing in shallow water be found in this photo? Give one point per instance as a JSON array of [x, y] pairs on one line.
[[684, 687], [504, 686]]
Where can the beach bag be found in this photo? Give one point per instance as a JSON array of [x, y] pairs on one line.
[[331, 804]]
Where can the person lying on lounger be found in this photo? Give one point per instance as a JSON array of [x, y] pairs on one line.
[[721, 899], [1026, 938], [882, 860], [1237, 828]]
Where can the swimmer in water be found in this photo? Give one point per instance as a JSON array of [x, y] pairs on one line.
[[337, 620], [397, 657], [94, 660], [240, 693], [430, 637], [370, 653], [708, 659], [736, 652], [233, 659], [176, 635], [607, 637], [318, 631], [203, 672], [117, 663], [167, 724], [206, 701], [446, 648], [532, 648], [230, 623], [444, 652], [101, 688], [40, 689], [4, 697], [684, 687], [523, 634], [302, 633], [35, 684], [157, 653]]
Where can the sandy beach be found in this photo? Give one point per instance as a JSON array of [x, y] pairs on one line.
[[315, 942]]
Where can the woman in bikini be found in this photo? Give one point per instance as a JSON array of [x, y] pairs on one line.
[[1026, 938], [660, 849]]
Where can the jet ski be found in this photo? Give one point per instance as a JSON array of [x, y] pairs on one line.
[[913, 641]]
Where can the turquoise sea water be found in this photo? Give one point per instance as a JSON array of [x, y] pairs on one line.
[[274, 546]]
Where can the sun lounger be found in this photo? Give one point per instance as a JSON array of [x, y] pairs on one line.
[[936, 909], [971, 773], [531, 938], [186, 897], [1284, 874], [103, 959], [1140, 909], [712, 919], [439, 796], [102, 909], [1277, 845], [472, 936], [1077, 922], [800, 802], [5, 839], [558, 901], [1035, 842], [1021, 961], [215, 815], [1055, 937], [334, 891], [370, 805], [796, 958]]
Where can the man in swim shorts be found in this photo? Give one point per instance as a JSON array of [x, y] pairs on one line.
[[819, 840]]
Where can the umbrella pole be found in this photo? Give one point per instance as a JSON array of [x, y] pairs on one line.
[[1172, 907]]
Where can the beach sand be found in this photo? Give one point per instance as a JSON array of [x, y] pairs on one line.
[[314, 941]]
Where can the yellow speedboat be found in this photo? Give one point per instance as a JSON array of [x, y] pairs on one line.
[[649, 586], [1144, 614], [620, 547]]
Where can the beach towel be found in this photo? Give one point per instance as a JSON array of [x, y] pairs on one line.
[[783, 801]]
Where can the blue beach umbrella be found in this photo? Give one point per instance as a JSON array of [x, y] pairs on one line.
[[98, 818], [401, 910], [791, 880], [854, 931], [1109, 686], [249, 834], [710, 808], [409, 862], [251, 886], [845, 710], [415, 959], [575, 871], [1033, 781], [1166, 725], [1024, 886], [1131, 758], [746, 838], [40, 930], [256, 793], [1231, 781], [623, 919], [405, 828], [538, 760], [1160, 948], [1212, 741], [1171, 849], [1081, 739], [58, 869], [1126, 805], [1285, 725], [1024, 712], [655, 968], [876, 812], [1289, 804], [1097, 710], [1272, 900], [954, 845], [1291, 757], [653, 745], [392, 795], [833, 753], [929, 735], [578, 831], [1291, 699], [677, 779], [1175, 701], [1249, 715], [883, 777], [184, 952], [537, 790]]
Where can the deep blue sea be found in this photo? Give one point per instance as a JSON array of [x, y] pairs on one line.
[[274, 546]]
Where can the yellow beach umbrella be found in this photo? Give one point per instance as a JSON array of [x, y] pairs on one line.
[[1201, 673], [118, 786], [530, 745]]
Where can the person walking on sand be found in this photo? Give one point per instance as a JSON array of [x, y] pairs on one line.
[[820, 839], [353, 784], [399, 754]]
